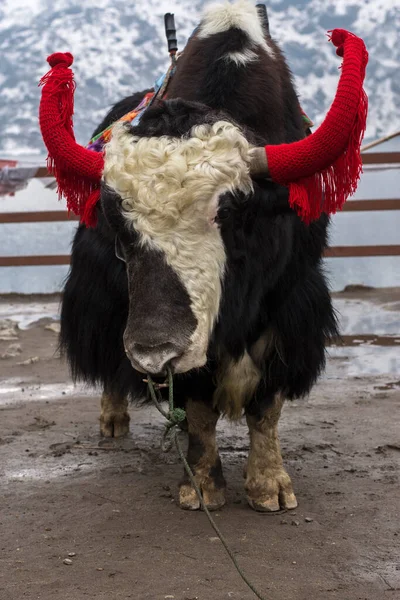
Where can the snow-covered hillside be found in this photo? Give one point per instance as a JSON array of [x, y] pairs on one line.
[[120, 47]]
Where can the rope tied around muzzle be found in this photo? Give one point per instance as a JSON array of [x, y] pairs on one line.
[[174, 417]]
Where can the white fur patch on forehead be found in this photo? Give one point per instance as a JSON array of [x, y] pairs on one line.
[[169, 189], [240, 15], [241, 58], [166, 176]]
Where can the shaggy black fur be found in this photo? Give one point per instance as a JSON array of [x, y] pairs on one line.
[[274, 279], [259, 95]]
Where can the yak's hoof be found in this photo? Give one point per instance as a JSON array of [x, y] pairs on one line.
[[214, 498], [272, 492], [114, 424]]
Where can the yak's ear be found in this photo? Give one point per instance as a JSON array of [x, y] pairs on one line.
[[258, 163]]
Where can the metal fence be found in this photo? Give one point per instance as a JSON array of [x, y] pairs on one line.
[[373, 158]]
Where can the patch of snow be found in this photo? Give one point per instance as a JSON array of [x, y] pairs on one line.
[[11, 392], [366, 360], [27, 314], [363, 317]]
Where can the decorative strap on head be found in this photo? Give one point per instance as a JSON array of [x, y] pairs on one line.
[[77, 170], [323, 169]]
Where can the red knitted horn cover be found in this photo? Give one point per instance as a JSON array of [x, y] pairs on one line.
[[77, 170], [322, 170]]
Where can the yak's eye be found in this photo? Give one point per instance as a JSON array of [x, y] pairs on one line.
[[223, 214], [119, 251]]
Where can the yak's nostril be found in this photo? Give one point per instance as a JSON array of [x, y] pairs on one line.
[[153, 349]]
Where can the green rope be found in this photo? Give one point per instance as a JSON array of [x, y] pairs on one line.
[[174, 417]]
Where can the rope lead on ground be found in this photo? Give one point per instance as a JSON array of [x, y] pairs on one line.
[[174, 416]]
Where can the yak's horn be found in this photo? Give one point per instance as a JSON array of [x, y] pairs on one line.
[[259, 162], [323, 169], [78, 171]]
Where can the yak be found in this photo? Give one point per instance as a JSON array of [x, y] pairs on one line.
[[199, 267]]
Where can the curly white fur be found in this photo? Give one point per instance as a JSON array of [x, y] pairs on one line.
[[170, 189]]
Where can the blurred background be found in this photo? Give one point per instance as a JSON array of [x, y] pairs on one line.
[[120, 47]]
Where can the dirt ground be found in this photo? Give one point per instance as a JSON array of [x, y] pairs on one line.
[[109, 507]]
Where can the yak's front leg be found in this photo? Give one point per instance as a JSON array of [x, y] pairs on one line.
[[114, 417], [268, 485], [203, 459]]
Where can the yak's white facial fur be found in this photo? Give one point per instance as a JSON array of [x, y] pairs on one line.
[[170, 189], [242, 15]]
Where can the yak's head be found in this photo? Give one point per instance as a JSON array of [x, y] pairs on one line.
[[167, 188]]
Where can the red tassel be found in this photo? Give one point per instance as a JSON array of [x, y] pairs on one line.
[[89, 216], [336, 183], [322, 170], [60, 80], [77, 170]]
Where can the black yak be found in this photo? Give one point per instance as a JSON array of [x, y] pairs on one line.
[[198, 262]]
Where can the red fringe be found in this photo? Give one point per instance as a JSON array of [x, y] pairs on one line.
[[323, 169], [77, 179], [335, 184], [60, 81], [89, 216], [74, 188]]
